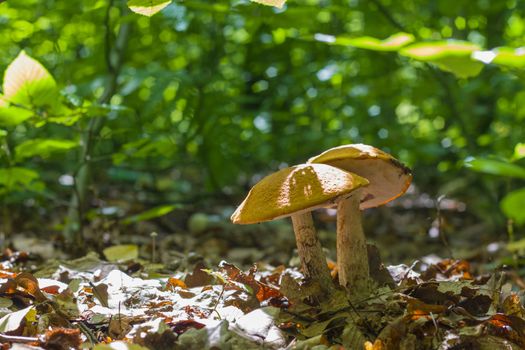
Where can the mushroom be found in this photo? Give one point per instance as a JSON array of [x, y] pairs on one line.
[[295, 192], [388, 179]]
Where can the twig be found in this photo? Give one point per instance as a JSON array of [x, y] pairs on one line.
[[384, 11], [441, 233], [217, 303], [17, 339]]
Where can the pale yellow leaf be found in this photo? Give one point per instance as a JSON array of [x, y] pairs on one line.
[[147, 7], [275, 3], [27, 82]]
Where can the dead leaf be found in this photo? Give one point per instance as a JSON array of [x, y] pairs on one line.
[[180, 327], [175, 282], [100, 291], [512, 306], [29, 284], [119, 326], [61, 339], [198, 277], [508, 327]]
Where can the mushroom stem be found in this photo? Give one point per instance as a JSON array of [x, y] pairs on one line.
[[310, 251], [352, 257]]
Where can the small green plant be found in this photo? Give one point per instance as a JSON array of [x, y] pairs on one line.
[[513, 203]]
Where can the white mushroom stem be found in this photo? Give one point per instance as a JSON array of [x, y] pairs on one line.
[[352, 257], [310, 251]]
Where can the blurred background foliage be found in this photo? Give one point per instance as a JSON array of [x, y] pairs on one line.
[[210, 96]]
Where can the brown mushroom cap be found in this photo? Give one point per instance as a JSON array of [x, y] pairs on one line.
[[388, 177], [296, 189]]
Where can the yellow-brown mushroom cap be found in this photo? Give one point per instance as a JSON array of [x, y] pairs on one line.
[[388, 177], [296, 189]]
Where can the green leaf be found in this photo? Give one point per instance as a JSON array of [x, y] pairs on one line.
[[3, 133], [123, 252], [503, 56], [42, 147], [513, 204], [519, 151], [16, 179], [151, 214], [275, 3], [28, 83], [495, 167], [12, 116], [450, 56], [147, 7], [392, 43]]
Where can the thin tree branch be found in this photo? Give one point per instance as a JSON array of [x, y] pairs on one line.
[[114, 56], [384, 11]]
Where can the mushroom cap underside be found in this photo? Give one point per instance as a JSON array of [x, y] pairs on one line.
[[294, 190], [388, 177]]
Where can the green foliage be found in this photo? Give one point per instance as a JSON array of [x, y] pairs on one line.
[[276, 3], [123, 252], [151, 214], [392, 43], [19, 179], [211, 95], [495, 167], [42, 148], [12, 116], [512, 206], [28, 83], [451, 56]]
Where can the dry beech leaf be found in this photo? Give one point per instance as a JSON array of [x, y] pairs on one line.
[[508, 327], [175, 282], [119, 326], [180, 327], [512, 306], [377, 345], [29, 284], [62, 338], [100, 292], [198, 278]]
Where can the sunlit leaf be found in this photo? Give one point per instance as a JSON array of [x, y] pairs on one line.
[[147, 7], [495, 167], [503, 56], [13, 320], [151, 214], [12, 116], [28, 83], [16, 178], [451, 56], [392, 43], [42, 147], [519, 151], [123, 252], [275, 3], [513, 204]]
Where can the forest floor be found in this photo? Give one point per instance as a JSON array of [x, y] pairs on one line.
[[445, 283]]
